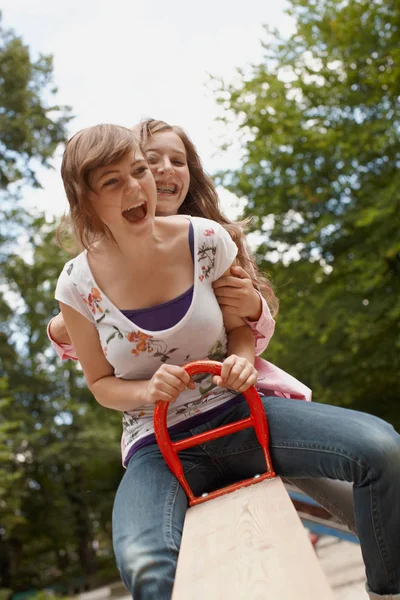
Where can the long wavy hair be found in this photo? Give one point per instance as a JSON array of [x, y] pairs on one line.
[[202, 201]]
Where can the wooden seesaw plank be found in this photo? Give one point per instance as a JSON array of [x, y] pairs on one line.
[[248, 545]]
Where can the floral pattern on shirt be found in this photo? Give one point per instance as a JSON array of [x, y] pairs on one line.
[[142, 341], [148, 343], [190, 409], [136, 354], [93, 301], [216, 352], [206, 254]]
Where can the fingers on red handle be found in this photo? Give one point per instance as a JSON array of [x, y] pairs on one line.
[[203, 366]]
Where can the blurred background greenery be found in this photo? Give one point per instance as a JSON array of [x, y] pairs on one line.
[[319, 121]]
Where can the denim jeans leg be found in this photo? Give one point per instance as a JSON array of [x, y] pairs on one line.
[[318, 440], [148, 516], [337, 497]]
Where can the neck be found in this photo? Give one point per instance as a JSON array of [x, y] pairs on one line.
[[138, 246]]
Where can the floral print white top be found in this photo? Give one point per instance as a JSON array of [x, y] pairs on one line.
[[136, 353]]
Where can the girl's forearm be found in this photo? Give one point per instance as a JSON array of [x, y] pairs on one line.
[[241, 343], [257, 307], [120, 394], [127, 395]]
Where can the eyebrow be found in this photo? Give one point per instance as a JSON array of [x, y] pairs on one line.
[[139, 160], [158, 151]]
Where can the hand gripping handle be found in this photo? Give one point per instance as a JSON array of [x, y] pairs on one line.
[[169, 449]]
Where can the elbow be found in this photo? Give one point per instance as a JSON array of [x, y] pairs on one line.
[[97, 388]]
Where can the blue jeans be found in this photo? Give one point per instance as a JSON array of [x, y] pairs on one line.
[[307, 440]]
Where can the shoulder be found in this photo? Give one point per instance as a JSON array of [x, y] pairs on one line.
[[212, 232], [208, 227], [72, 277], [216, 250], [73, 286], [205, 223], [72, 268], [173, 224]]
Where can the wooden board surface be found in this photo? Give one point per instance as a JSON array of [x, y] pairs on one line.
[[248, 545]]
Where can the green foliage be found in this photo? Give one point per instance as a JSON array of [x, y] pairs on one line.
[[59, 450], [30, 126], [320, 122], [63, 457]]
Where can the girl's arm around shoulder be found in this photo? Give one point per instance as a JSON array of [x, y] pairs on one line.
[[238, 372], [240, 337], [236, 295], [263, 329], [234, 289]]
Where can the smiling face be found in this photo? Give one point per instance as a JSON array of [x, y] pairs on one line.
[[124, 193], [166, 155]]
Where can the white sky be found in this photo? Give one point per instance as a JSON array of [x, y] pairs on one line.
[[119, 61]]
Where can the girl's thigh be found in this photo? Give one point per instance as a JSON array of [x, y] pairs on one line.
[[307, 440], [148, 518], [149, 507], [148, 515], [337, 497]]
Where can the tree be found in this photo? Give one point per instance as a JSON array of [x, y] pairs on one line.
[[319, 120], [30, 130], [65, 454], [30, 127], [60, 464]]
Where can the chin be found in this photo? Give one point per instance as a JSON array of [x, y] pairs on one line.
[[167, 208], [167, 212]]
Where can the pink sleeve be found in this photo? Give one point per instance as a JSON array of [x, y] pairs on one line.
[[263, 329], [64, 351]]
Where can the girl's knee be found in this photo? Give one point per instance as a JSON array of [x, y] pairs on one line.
[[148, 574], [382, 446], [387, 452]]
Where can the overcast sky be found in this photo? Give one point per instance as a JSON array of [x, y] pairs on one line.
[[119, 61]]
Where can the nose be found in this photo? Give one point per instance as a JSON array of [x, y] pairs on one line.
[[165, 166], [132, 185]]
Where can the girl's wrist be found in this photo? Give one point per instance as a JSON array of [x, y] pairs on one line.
[[256, 314]]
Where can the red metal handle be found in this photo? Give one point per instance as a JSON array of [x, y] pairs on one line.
[[170, 449]]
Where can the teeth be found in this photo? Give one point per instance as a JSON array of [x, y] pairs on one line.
[[133, 206], [168, 189]]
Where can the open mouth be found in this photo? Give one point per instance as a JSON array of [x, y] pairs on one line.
[[135, 213], [167, 189]]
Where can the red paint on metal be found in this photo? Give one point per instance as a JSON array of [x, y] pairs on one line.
[[170, 449]]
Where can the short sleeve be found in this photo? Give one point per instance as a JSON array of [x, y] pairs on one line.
[[218, 244], [67, 291], [64, 351]]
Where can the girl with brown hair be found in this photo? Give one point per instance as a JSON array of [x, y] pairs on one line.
[[183, 187]]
